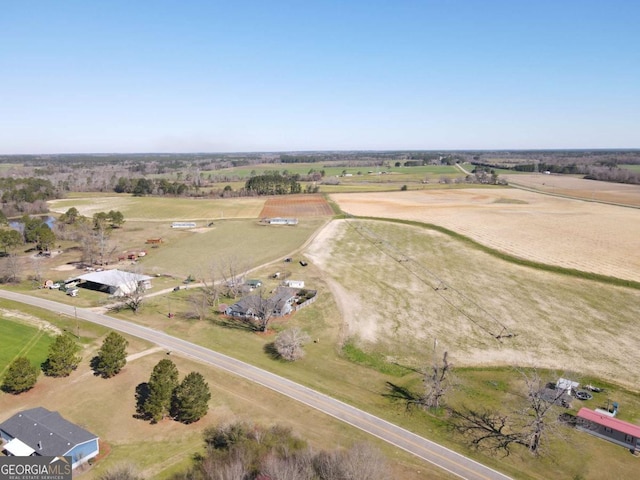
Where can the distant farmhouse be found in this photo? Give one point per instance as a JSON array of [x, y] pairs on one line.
[[114, 282], [40, 432]]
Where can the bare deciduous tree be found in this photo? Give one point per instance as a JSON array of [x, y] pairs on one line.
[[262, 307], [121, 472], [289, 343], [11, 269], [436, 382], [133, 290], [362, 461], [529, 426], [292, 467], [233, 273]]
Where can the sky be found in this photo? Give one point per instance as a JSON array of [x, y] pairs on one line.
[[244, 76]]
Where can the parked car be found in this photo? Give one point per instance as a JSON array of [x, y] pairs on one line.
[[54, 286], [72, 292]]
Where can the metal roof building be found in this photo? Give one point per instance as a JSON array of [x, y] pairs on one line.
[[612, 429], [115, 282]]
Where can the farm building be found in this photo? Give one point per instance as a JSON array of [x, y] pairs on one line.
[[114, 282], [254, 284], [293, 283], [40, 432], [282, 221], [612, 429], [183, 225]]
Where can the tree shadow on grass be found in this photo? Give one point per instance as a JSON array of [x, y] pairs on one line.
[[271, 350], [235, 324], [95, 366], [142, 394], [396, 392]]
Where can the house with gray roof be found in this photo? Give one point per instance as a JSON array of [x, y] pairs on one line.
[[41, 432], [252, 306]]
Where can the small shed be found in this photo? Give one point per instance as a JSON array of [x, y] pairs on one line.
[[254, 284], [608, 428], [567, 385], [293, 283]]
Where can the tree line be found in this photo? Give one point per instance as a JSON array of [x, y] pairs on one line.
[[273, 184]]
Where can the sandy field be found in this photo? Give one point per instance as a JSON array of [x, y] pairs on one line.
[[587, 236], [578, 187]]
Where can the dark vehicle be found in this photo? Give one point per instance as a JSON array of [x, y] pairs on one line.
[[303, 263]]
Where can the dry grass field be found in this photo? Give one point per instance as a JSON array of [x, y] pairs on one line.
[[586, 236], [578, 187], [392, 301]]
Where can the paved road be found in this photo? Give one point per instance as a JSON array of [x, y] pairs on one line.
[[434, 453]]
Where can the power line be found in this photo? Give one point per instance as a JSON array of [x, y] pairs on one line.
[[464, 305]]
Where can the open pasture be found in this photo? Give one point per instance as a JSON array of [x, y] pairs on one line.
[[22, 340], [390, 289], [163, 208], [586, 236], [242, 243]]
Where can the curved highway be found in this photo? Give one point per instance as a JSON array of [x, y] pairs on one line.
[[432, 452]]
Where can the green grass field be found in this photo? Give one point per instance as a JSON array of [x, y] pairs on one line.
[[633, 168], [20, 340]]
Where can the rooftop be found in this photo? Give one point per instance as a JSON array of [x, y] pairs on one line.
[[44, 431]]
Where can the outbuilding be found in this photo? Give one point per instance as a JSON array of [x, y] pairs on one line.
[[41, 432], [608, 428]]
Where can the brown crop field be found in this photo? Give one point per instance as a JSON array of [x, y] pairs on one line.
[[578, 187], [296, 206], [587, 236]]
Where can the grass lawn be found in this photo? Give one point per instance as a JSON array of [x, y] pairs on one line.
[[20, 340]]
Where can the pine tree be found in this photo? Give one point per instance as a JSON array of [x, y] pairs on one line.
[[112, 355], [20, 377], [62, 359], [191, 399], [162, 384]]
